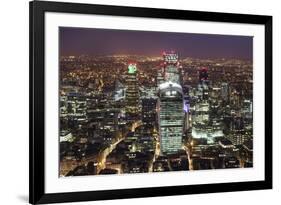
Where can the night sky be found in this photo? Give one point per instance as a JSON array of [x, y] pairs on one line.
[[77, 41]]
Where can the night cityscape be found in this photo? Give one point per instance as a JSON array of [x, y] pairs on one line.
[[142, 101]]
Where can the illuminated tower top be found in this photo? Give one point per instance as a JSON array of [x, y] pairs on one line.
[[170, 58], [171, 67], [132, 68]]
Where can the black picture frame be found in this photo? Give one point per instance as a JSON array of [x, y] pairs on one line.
[[37, 11]]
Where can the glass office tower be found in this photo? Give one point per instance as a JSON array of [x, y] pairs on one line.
[[171, 117]]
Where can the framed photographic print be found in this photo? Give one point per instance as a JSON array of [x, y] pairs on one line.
[[140, 102]]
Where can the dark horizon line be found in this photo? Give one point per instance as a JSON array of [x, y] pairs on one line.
[[145, 55]]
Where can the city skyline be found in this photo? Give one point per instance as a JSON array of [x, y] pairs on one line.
[[89, 41], [122, 114]]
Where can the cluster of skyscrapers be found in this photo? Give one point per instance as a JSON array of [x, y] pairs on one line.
[[177, 120]]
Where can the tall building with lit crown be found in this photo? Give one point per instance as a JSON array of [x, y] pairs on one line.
[[171, 114], [132, 92]]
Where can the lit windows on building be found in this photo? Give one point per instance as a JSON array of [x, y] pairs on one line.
[[149, 115], [132, 92], [171, 117]]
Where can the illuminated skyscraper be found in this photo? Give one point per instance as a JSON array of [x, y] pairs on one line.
[[171, 117], [171, 67], [171, 114], [132, 92]]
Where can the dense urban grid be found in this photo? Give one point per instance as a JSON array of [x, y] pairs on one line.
[[138, 114]]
